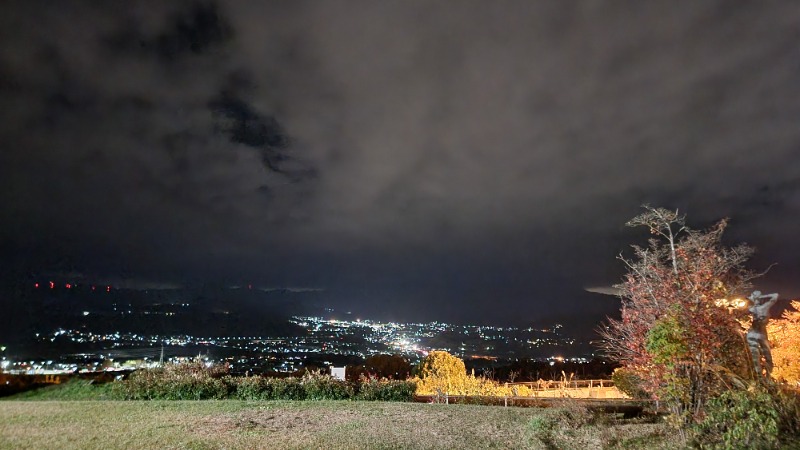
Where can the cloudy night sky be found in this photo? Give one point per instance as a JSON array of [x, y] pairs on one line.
[[455, 161]]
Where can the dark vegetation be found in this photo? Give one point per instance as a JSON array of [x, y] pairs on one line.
[[15, 384], [190, 383], [526, 369], [197, 381]]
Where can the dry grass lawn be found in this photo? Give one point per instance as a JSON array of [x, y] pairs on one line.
[[231, 424]]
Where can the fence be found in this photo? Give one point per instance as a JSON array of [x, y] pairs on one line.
[[585, 389], [627, 407]]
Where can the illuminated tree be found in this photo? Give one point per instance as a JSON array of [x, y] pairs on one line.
[[440, 371], [784, 335], [441, 364], [676, 332]]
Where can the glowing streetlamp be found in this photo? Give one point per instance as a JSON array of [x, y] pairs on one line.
[[734, 303]]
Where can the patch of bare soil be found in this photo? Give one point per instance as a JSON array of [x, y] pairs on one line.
[[297, 422]]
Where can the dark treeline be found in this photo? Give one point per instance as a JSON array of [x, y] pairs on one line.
[[532, 370]]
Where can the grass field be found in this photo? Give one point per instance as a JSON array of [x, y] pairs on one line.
[[32, 420]]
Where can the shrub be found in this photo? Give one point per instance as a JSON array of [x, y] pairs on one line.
[[761, 417], [202, 389], [628, 383], [552, 424], [197, 382], [252, 388], [73, 389], [324, 387], [287, 389], [386, 390], [187, 381]]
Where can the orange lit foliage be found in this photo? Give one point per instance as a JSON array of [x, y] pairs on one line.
[[442, 373], [784, 334], [672, 335], [440, 364]]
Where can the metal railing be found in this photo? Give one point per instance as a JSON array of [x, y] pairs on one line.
[[543, 385]]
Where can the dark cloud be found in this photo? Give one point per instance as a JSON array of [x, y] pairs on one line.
[[238, 120], [245, 126], [197, 29], [406, 156]]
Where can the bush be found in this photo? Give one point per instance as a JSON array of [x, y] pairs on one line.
[[252, 388], [260, 388], [761, 417], [552, 423], [73, 389], [198, 382], [324, 387], [287, 389], [628, 383], [187, 381], [386, 390], [200, 389]]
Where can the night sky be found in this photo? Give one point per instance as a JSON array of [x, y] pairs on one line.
[[455, 161]]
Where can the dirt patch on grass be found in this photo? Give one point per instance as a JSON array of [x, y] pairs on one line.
[[281, 427], [293, 420]]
